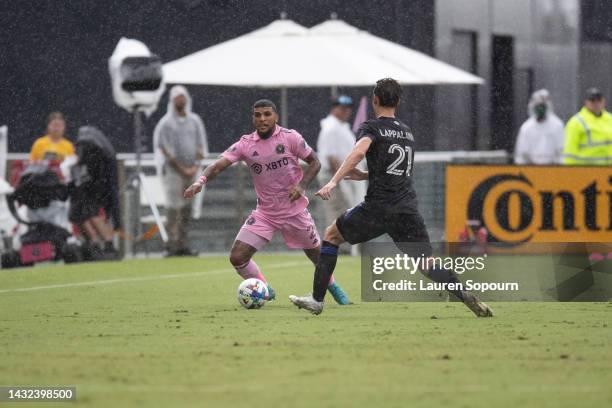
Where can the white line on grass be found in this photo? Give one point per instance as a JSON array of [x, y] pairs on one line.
[[143, 278]]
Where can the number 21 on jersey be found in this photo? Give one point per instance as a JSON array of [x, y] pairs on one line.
[[403, 153]]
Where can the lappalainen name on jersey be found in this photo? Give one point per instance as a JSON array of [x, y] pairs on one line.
[[397, 134]]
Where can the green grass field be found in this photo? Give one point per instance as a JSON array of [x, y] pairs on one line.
[[162, 333]]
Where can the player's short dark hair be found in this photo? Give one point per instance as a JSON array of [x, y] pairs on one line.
[[388, 91], [264, 103]]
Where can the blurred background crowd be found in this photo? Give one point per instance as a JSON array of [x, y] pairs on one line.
[[544, 67]]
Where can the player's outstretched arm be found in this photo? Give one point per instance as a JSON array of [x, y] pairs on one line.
[[353, 159], [357, 174], [209, 174], [314, 165]]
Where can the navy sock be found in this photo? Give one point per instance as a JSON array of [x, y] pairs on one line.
[[324, 270], [446, 276]]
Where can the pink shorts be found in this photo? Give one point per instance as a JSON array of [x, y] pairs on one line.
[[299, 231]]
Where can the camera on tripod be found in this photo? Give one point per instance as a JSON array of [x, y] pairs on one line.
[[138, 85], [136, 76], [141, 73]]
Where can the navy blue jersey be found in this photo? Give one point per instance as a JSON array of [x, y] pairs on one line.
[[390, 160]]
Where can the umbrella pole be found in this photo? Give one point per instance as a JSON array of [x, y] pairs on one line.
[[284, 114]]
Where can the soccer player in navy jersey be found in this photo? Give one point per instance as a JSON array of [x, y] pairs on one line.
[[390, 205]]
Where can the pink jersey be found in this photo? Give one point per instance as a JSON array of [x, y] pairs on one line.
[[275, 168]]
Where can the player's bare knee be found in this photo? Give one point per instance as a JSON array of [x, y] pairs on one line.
[[329, 233], [238, 258], [332, 235]]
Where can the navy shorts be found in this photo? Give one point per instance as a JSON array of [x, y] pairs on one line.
[[361, 224]]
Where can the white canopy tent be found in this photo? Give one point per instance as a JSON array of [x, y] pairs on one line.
[[402, 63], [333, 53]]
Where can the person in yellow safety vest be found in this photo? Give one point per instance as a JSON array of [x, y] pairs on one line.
[[588, 134]]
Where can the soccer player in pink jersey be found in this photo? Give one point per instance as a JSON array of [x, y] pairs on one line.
[[273, 155]]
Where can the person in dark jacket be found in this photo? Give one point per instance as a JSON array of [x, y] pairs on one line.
[[95, 188]]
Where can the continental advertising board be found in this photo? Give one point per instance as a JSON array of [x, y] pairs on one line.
[[516, 205]]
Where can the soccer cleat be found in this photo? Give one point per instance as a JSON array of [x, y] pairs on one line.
[[338, 294], [479, 308], [307, 302], [271, 293]]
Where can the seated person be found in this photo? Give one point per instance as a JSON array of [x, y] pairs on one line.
[[95, 188], [53, 146]]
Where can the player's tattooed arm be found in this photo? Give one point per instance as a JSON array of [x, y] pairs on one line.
[[314, 165], [348, 167], [209, 174], [212, 171]]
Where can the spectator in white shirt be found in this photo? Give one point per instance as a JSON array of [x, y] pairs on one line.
[[541, 137], [336, 140]]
